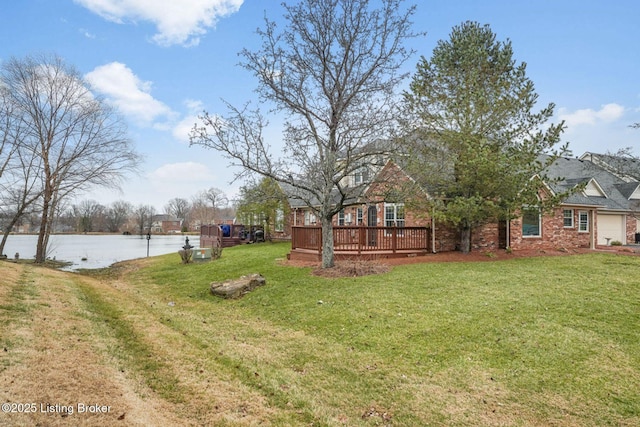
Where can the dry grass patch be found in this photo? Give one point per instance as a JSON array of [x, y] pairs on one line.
[[10, 274], [191, 375], [59, 365]]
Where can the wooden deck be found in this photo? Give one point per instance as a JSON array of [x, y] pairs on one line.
[[213, 236], [363, 243]]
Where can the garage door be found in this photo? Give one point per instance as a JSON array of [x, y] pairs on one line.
[[612, 227]]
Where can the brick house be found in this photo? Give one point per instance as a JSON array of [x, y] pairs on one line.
[[164, 223], [601, 212]]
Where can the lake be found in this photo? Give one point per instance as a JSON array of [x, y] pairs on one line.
[[99, 250]]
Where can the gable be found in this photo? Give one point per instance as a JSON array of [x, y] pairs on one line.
[[636, 194], [392, 184], [593, 189]]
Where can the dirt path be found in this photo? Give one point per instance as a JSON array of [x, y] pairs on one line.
[[52, 370]]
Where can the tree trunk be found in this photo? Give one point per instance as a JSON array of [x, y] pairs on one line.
[[465, 239], [8, 229], [5, 235], [327, 242], [45, 221], [4, 239], [41, 248]]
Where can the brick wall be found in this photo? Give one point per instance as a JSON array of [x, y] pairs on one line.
[[485, 238], [554, 234], [632, 229]]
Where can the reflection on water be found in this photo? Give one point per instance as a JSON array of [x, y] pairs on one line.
[[97, 251]]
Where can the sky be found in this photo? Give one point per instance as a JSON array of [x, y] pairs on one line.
[[163, 62]]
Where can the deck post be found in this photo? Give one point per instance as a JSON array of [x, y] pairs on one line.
[[394, 239]]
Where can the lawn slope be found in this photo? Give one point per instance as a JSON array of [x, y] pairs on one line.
[[540, 341]]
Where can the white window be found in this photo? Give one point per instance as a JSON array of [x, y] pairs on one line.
[[394, 215], [341, 217], [360, 216], [583, 221], [567, 218], [309, 218], [531, 226], [360, 175]]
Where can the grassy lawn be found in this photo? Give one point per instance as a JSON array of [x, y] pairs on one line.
[[539, 341]]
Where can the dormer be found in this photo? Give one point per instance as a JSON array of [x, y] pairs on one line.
[[360, 176], [593, 189]]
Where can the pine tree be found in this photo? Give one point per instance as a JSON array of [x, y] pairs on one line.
[[479, 140]]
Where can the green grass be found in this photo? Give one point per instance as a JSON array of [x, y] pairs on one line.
[[527, 341]]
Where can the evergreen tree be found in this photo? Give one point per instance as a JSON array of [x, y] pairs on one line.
[[478, 133]]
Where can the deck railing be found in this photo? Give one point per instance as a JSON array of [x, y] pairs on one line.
[[222, 230], [363, 239]]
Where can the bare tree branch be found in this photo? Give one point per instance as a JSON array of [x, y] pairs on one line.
[[332, 72], [79, 139]]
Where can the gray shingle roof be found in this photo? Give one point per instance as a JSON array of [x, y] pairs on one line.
[[574, 172], [625, 167], [568, 172]]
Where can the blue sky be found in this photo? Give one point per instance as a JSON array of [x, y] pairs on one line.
[[161, 62]]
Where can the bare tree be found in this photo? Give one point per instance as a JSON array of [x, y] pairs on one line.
[[87, 213], [333, 71], [81, 141], [179, 208], [117, 215], [201, 213], [217, 198], [144, 218], [207, 204], [21, 191], [20, 169], [9, 131]]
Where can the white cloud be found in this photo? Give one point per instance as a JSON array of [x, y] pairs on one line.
[[607, 114], [180, 173], [182, 129], [182, 179], [598, 131], [128, 93], [177, 21], [87, 33]]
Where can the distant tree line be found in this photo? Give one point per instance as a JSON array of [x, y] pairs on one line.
[[89, 216]]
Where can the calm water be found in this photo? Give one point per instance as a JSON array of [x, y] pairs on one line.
[[99, 251]]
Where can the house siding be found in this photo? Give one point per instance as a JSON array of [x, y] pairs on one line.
[[554, 234]]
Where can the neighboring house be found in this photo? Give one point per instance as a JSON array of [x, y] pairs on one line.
[[602, 210], [625, 168], [597, 214], [164, 223], [622, 192]]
